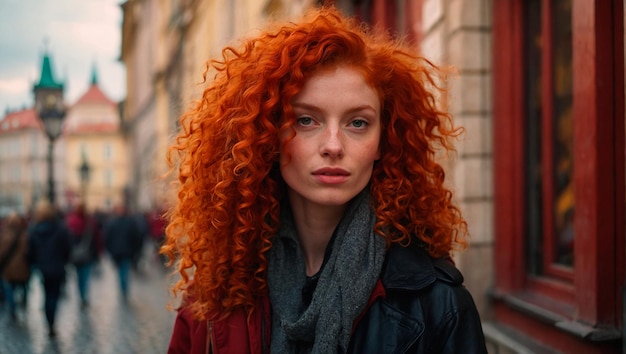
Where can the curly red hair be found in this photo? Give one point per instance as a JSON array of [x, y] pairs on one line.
[[227, 151]]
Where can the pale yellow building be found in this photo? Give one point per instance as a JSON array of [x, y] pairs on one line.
[[94, 140], [146, 109]]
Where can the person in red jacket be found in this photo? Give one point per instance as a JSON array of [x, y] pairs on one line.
[[156, 228], [312, 215], [86, 235]]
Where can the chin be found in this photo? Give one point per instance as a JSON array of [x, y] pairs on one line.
[[335, 199], [330, 197]]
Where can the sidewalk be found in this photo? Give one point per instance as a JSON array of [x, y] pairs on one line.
[[143, 325]]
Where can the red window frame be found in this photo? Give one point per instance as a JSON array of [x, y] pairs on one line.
[[401, 18], [568, 310]]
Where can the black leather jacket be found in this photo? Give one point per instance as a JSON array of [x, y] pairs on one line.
[[426, 309]]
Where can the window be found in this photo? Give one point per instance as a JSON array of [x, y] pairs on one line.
[[559, 170], [108, 178], [14, 146], [108, 151], [34, 145], [33, 173], [16, 173]]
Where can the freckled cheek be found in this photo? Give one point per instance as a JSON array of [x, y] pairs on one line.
[[371, 152], [293, 153]]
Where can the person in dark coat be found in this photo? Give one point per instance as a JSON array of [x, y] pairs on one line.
[[122, 239], [49, 250]]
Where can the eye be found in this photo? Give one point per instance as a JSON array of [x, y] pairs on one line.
[[305, 121], [359, 123]]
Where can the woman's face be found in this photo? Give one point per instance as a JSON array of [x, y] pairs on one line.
[[331, 158]]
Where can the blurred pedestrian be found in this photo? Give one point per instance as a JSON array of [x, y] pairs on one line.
[[2, 222], [100, 218], [50, 244], [144, 231], [157, 222], [122, 239], [85, 233], [14, 266]]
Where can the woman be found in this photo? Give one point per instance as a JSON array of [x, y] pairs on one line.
[[49, 250], [311, 214]]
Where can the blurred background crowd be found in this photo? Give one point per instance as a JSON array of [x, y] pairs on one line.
[[49, 243]]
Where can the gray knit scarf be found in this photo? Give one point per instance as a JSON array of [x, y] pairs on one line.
[[343, 288]]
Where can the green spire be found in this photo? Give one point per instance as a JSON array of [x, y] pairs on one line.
[[47, 77], [94, 75]]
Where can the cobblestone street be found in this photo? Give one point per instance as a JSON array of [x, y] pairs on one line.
[[108, 325]]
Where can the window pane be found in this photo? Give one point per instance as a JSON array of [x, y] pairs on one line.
[[563, 132], [108, 178], [532, 143], [548, 105], [108, 151]]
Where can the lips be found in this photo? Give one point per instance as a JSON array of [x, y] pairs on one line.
[[331, 175], [331, 171]]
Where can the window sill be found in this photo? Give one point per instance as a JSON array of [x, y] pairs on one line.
[[531, 306]]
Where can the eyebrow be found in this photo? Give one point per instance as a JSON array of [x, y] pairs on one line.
[[311, 107]]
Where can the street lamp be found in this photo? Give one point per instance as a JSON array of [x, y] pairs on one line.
[[52, 119], [51, 111], [84, 171]]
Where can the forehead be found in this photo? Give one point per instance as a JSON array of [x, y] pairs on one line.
[[338, 83]]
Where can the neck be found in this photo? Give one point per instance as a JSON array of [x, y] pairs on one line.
[[315, 225]]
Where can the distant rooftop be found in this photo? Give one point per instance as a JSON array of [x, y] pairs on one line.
[[94, 95], [19, 120]]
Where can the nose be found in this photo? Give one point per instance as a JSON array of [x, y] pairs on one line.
[[331, 143]]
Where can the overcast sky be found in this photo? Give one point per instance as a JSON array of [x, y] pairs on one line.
[[79, 34]]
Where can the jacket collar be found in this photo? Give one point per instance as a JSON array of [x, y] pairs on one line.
[[411, 268]]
